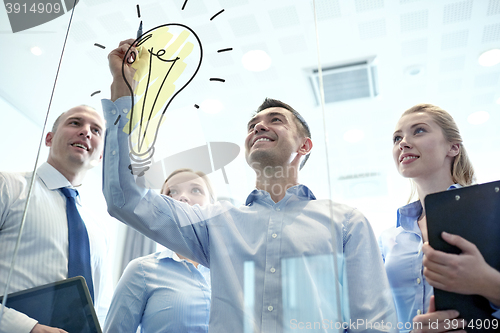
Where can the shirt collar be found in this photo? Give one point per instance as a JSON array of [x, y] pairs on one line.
[[167, 253], [51, 177], [408, 214], [172, 255], [300, 191]]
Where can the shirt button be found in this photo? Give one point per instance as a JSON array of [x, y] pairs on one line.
[[419, 312], [125, 110], [420, 250], [113, 112], [270, 308], [277, 209], [113, 152], [273, 269], [418, 280], [274, 235]]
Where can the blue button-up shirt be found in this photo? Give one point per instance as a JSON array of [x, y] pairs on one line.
[[275, 267], [162, 293], [401, 249]]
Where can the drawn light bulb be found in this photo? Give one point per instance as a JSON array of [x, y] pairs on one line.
[[169, 58]]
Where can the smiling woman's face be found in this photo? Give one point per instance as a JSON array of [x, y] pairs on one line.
[[187, 187], [420, 148]]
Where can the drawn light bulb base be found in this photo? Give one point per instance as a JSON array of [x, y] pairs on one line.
[[169, 58], [207, 158]]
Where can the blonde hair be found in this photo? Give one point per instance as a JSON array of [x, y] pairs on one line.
[[202, 175], [461, 171]]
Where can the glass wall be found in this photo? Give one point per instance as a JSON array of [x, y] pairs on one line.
[[377, 59]]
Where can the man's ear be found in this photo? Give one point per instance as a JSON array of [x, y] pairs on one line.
[[48, 139], [454, 150], [306, 147]]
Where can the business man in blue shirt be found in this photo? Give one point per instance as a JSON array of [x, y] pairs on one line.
[[283, 261]]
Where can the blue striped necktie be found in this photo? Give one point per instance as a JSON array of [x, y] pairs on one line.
[[78, 241]]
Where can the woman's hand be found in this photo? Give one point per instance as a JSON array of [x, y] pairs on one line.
[[465, 273], [437, 321]]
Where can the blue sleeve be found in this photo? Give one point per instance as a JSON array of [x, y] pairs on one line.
[[176, 225], [129, 300], [368, 291], [496, 313]]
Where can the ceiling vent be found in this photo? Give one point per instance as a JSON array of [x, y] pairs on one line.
[[346, 81]]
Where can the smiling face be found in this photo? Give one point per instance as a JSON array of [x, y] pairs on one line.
[[420, 149], [78, 141], [187, 187], [274, 139]]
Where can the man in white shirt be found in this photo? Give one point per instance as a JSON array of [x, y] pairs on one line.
[[76, 145]]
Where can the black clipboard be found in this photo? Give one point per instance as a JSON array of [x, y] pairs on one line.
[[63, 304], [472, 212]]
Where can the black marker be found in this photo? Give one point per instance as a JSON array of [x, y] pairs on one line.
[[139, 32]]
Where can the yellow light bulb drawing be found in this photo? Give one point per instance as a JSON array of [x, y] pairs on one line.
[[169, 58]]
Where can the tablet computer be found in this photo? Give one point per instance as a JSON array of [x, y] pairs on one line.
[[63, 304], [472, 212]]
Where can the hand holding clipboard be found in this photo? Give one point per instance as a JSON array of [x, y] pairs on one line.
[[473, 213]]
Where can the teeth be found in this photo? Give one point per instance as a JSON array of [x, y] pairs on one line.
[[408, 157], [79, 145], [261, 139]]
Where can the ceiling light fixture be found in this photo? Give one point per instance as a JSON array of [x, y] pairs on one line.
[[36, 50], [478, 118], [256, 61], [414, 71], [489, 58]]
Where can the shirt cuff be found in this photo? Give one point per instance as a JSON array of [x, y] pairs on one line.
[[115, 114], [114, 111], [15, 321]]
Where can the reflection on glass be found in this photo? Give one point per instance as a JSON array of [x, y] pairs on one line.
[[310, 292], [249, 296]]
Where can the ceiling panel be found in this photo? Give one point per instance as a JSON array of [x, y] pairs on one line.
[[441, 40]]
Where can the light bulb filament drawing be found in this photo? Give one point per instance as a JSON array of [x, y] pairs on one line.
[[169, 57], [160, 52]]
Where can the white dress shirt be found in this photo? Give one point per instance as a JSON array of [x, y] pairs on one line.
[[43, 252]]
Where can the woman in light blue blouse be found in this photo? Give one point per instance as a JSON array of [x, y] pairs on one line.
[[165, 292], [428, 149]]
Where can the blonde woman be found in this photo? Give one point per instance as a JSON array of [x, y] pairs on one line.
[[164, 291], [428, 149]]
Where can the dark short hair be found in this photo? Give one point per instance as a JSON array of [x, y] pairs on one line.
[[299, 120]]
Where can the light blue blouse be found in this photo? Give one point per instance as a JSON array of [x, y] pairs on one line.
[[401, 249], [402, 253], [162, 293]]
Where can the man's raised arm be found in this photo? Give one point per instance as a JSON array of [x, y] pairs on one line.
[[175, 225]]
